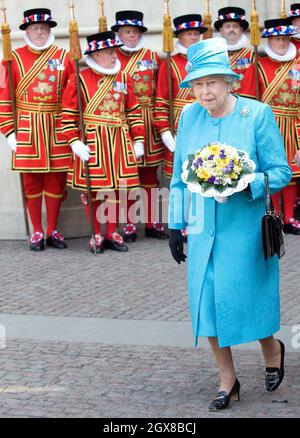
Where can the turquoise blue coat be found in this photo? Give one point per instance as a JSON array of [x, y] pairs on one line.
[[225, 240]]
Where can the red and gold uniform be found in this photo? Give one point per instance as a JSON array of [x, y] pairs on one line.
[[180, 98], [142, 66], [281, 91], [39, 79], [42, 153], [112, 122], [279, 87], [241, 62]]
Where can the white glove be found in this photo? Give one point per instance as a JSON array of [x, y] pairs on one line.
[[297, 158], [81, 150], [168, 140], [138, 149], [12, 141]]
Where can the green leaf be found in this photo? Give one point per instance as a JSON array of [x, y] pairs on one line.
[[192, 177]]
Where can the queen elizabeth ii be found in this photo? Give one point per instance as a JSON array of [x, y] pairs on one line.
[[233, 290]]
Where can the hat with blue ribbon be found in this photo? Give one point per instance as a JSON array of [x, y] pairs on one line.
[[206, 58], [37, 15], [295, 10], [278, 27], [101, 41], [231, 13], [188, 22], [129, 18]]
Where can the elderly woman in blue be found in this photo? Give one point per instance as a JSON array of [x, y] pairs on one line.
[[233, 290]]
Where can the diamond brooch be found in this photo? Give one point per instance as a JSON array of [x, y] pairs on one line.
[[245, 111]]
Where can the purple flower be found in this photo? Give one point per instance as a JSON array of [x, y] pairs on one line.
[[197, 163], [229, 167], [211, 179], [211, 157], [222, 153]]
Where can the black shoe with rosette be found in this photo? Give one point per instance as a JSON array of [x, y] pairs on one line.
[[129, 233], [56, 240], [293, 227], [274, 376], [116, 243], [37, 242], [157, 231]]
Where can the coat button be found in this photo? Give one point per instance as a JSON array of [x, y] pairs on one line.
[[211, 233]]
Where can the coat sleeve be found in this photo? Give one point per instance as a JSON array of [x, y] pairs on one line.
[[133, 114], [179, 194], [70, 111], [6, 113], [162, 110], [270, 155]]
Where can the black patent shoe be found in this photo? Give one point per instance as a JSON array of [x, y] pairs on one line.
[[56, 240], [129, 233], [157, 231], [37, 241], [222, 399], [274, 376], [116, 243]]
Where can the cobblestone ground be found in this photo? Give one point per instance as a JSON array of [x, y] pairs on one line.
[[87, 380], [143, 283], [72, 379]]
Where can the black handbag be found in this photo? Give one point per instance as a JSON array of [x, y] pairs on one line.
[[272, 227]]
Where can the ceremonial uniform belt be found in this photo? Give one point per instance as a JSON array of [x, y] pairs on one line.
[[40, 107], [92, 119], [146, 100], [282, 111], [179, 103]]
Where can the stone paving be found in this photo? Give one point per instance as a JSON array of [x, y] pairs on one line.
[[83, 379]]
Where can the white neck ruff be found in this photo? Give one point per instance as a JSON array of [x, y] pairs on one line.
[[106, 71], [50, 42], [140, 45], [242, 42], [290, 54], [180, 48]]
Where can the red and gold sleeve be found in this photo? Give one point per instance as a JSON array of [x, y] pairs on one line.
[[133, 113], [162, 106], [6, 113], [70, 111]]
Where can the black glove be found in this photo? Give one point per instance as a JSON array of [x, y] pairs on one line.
[[176, 245]]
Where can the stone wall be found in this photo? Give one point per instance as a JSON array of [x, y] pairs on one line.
[[72, 221]]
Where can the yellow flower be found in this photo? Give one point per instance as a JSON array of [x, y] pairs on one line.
[[214, 149], [203, 174]]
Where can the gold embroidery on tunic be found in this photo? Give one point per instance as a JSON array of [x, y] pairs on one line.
[[43, 88]]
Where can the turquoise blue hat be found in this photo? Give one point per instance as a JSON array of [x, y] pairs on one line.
[[206, 58]]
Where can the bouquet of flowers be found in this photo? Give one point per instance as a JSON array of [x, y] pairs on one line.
[[218, 170]]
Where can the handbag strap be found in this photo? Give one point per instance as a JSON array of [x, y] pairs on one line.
[[268, 200]]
